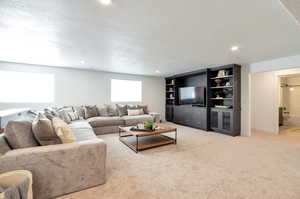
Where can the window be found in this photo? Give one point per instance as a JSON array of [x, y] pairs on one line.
[[23, 87], [126, 91]]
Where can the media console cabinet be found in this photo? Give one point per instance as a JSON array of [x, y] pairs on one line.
[[222, 110]]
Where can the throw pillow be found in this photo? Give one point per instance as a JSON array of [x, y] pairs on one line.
[[132, 112], [145, 108], [43, 131], [79, 110], [19, 134], [63, 114], [103, 112], [63, 131], [122, 110], [73, 116], [50, 113], [111, 111], [90, 111]]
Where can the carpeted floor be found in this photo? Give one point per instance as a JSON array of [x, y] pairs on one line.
[[202, 165]]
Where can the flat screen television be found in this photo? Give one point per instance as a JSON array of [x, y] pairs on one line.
[[192, 95]]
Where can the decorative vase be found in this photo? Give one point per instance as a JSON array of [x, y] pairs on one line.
[[218, 82]]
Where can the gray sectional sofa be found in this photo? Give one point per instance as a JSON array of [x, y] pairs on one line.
[[65, 168]]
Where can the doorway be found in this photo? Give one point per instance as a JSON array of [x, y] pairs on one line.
[[289, 105]]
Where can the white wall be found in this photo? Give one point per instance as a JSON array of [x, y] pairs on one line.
[[83, 87], [264, 102]]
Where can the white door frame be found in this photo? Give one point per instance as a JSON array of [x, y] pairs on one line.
[[278, 74]]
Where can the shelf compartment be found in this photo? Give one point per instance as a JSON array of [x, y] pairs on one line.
[[224, 77], [221, 98], [220, 87]]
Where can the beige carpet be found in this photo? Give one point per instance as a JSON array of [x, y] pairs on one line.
[[202, 165]]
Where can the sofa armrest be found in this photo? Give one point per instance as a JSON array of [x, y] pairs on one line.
[[60, 169]]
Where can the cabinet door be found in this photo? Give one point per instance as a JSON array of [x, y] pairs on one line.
[[199, 118], [178, 116], [214, 119], [169, 113], [226, 121]]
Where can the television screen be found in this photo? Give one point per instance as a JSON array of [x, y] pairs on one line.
[[192, 95]]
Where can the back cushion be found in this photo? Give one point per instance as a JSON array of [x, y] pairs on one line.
[[111, 111], [3, 145], [43, 131], [19, 134], [122, 109], [90, 111], [79, 110], [63, 131]]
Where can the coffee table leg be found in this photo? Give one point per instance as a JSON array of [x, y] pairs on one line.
[[137, 144], [175, 137]]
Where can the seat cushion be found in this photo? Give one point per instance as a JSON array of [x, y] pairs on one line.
[[83, 134], [19, 134], [80, 124], [105, 121], [82, 130], [134, 120]]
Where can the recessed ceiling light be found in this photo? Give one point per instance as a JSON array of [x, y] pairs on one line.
[[234, 48], [105, 2], [157, 71], [82, 62]]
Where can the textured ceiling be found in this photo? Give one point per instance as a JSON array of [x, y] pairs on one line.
[[141, 36]]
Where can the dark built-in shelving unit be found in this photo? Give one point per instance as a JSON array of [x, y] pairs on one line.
[[222, 110]]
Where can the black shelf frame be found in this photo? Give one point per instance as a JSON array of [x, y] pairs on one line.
[[228, 119]]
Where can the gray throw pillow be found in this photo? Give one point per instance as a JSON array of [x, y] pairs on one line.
[[79, 110], [43, 131], [111, 111], [145, 108], [63, 114], [122, 109], [19, 134], [91, 111], [103, 111]]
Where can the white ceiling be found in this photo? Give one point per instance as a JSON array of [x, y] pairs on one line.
[[141, 36]]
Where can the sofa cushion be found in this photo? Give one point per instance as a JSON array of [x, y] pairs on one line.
[[4, 147], [80, 111], [122, 109], [63, 131], [103, 111], [43, 131], [80, 124], [132, 112], [19, 134], [63, 114], [105, 121], [134, 120], [111, 111], [83, 134], [145, 108], [90, 111]]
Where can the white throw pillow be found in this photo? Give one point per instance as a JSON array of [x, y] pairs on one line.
[[133, 112]]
